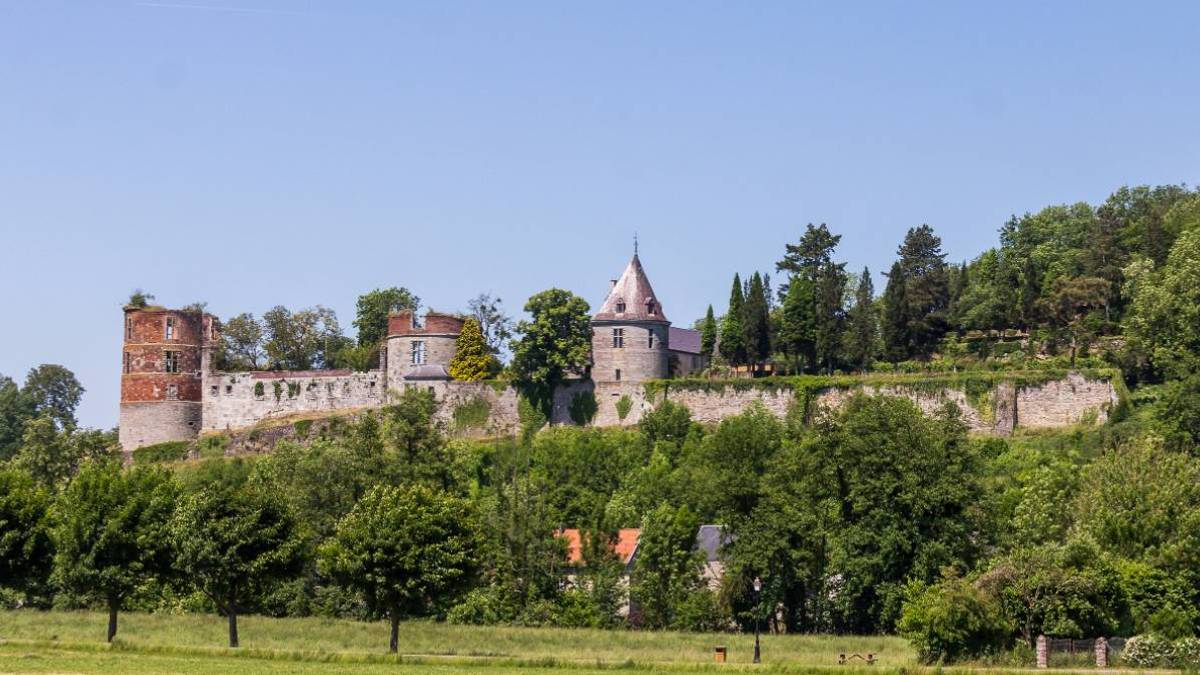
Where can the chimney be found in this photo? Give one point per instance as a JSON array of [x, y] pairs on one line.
[[612, 283]]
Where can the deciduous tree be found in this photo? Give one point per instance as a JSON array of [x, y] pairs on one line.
[[556, 340]]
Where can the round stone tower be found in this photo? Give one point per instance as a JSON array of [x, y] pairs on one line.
[[421, 350], [630, 332], [162, 366]]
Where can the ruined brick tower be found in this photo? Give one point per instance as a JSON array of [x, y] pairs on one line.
[[420, 350], [630, 336], [163, 361]]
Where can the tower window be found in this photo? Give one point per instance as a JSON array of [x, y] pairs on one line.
[[128, 328], [650, 339], [170, 362], [649, 306], [620, 306], [418, 352], [170, 328], [619, 338], [617, 375], [128, 362], [416, 322], [172, 392]]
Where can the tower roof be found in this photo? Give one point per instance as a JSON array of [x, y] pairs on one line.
[[631, 297]]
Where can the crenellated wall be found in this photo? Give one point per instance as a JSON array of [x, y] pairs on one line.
[[236, 400]]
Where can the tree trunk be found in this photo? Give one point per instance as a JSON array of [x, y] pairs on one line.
[[394, 645], [113, 603], [233, 635]]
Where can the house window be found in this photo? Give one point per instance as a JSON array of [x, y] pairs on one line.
[[170, 328], [619, 338], [170, 362], [128, 362], [418, 352], [172, 392], [617, 375], [620, 306]]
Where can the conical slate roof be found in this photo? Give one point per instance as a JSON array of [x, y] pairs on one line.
[[631, 298]]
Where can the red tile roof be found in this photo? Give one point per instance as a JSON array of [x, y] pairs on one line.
[[624, 547]]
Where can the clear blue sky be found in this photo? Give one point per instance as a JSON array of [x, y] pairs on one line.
[[258, 152]]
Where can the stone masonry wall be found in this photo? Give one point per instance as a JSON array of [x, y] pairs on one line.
[[235, 400], [1064, 402]]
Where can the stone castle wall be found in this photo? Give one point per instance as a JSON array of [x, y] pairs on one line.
[[236, 400]]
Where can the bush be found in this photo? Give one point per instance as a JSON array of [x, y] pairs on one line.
[[624, 405], [472, 414], [1148, 651], [170, 451], [583, 408], [486, 606], [952, 620]]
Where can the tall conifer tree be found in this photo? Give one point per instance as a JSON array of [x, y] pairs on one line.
[[864, 324], [708, 333], [733, 336], [894, 325], [756, 323]]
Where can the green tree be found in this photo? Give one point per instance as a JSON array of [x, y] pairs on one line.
[[111, 533], [371, 316], [732, 344], [667, 568], [1178, 415], [493, 322], [811, 260], [25, 546], [473, 360], [16, 409], [52, 456], [927, 294], [668, 421], [756, 322], [139, 299], [413, 440], [708, 333], [1070, 301], [404, 550], [797, 324], [55, 393], [242, 343], [1166, 308], [863, 329], [894, 327], [556, 340], [302, 340], [231, 543], [953, 620]]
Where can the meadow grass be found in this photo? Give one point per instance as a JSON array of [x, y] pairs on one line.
[[493, 647]]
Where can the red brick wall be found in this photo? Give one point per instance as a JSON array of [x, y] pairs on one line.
[[400, 323], [145, 345]]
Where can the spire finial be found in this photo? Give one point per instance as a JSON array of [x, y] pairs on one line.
[[635, 245]]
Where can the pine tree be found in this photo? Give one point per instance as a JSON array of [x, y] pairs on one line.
[[797, 335], [830, 313], [733, 341], [811, 260], [756, 325], [708, 333], [863, 323], [895, 316], [927, 294], [473, 360]]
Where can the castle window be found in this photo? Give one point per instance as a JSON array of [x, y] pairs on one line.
[[620, 306], [649, 306], [416, 321], [214, 390], [170, 331], [172, 392], [128, 328], [418, 352], [170, 362], [618, 338], [650, 339], [617, 375], [128, 362], [229, 390]]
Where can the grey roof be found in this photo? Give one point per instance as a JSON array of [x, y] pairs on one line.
[[427, 372], [684, 340], [710, 539]]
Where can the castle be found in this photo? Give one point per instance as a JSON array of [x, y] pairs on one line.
[[171, 391]]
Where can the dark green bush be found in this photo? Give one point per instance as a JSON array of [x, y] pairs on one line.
[[170, 451], [952, 620]]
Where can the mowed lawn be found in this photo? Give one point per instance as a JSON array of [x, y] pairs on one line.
[[37, 641]]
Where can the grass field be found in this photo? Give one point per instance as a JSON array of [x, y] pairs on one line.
[[34, 641]]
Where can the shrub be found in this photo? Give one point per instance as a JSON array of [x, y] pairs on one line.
[[1148, 651], [1187, 653], [531, 417], [583, 408], [952, 620], [302, 428], [1172, 623], [169, 451], [472, 414], [484, 606], [624, 405]]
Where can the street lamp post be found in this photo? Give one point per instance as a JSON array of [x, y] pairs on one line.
[[757, 608]]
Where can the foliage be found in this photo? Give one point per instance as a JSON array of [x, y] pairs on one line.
[[167, 451], [139, 299], [667, 569], [495, 325], [242, 343], [25, 544], [16, 409], [472, 414], [55, 394], [755, 320], [231, 543], [583, 407], [1178, 415], [301, 340], [556, 340], [708, 333], [926, 295], [732, 343], [111, 533], [52, 456], [373, 308], [404, 550], [1166, 308], [473, 359], [624, 406], [862, 324], [952, 620], [668, 421]]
